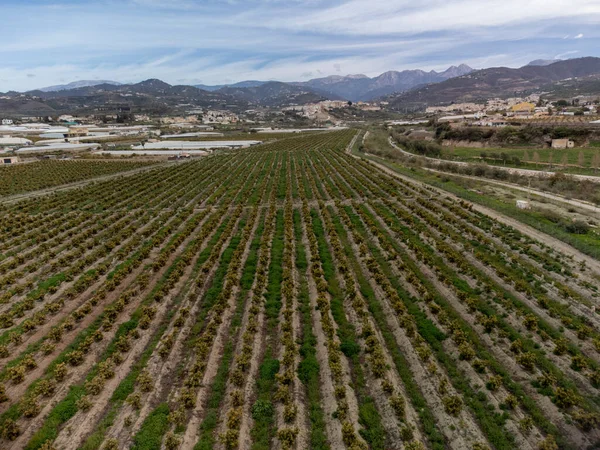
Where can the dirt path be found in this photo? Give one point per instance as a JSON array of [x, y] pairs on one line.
[[511, 170], [525, 229]]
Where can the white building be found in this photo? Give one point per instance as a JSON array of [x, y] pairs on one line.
[[5, 160], [7, 122], [8, 141], [562, 143]]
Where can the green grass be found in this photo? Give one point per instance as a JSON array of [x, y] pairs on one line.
[[549, 158], [207, 440], [372, 428], [585, 243], [435, 438], [263, 410], [263, 430], [308, 368], [490, 421], [152, 430]]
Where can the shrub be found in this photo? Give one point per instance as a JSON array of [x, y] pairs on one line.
[[60, 371], [452, 405], [511, 401], [16, 374], [10, 430], [145, 381], [135, 400], [548, 444], [230, 439], [261, 409], [287, 437], [466, 352], [527, 360], [111, 444], [84, 403], [290, 412], [586, 421], [494, 382], [565, 398], [398, 404], [172, 441], [30, 407], [526, 424], [577, 227]]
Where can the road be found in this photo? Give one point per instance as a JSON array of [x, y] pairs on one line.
[[511, 170], [557, 244], [587, 206]]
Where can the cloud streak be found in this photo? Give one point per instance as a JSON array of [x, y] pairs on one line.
[[213, 40]]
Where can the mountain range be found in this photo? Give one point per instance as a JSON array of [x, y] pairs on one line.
[[78, 84], [409, 89], [349, 87], [360, 87], [363, 88], [498, 82]]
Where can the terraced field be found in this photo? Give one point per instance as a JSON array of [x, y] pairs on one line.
[[287, 296]]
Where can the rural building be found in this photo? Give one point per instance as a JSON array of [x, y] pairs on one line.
[[9, 159], [76, 132], [523, 204], [491, 122], [523, 108], [562, 143], [7, 122]]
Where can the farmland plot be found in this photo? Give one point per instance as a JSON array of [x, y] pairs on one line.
[[287, 296]]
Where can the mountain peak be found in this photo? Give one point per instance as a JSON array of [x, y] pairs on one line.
[[77, 84], [543, 62], [456, 71], [155, 83]]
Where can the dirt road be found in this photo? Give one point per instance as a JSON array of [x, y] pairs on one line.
[[557, 244], [512, 170]]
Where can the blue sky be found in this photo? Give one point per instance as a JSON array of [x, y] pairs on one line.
[[46, 42]]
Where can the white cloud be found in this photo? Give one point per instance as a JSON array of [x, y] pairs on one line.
[[565, 54], [211, 40]]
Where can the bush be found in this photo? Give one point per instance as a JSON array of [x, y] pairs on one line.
[[548, 444], [577, 227], [287, 437], [172, 441], [10, 430], [262, 409], [453, 405]]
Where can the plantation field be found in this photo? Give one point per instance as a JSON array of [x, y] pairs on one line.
[[578, 158], [288, 296], [19, 178]]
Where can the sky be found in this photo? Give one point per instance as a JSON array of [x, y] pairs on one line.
[[224, 41]]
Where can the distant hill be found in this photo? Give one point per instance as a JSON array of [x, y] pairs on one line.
[[274, 93], [496, 82], [363, 88], [241, 84], [153, 96], [543, 62], [77, 84]]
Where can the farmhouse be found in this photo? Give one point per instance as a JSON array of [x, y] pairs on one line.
[[9, 160], [7, 122], [562, 143], [523, 108]]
